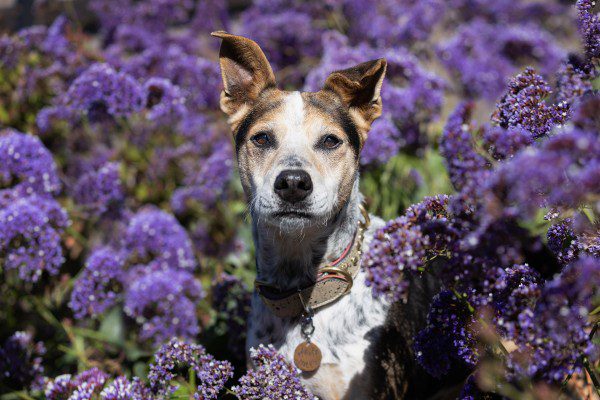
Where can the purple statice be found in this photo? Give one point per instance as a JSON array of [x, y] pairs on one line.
[[585, 114], [155, 235], [388, 22], [99, 190], [562, 241], [21, 362], [589, 28], [524, 106], [84, 386], [571, 84], [176, 356], [384, 142], [122, 388], [164, 101], [564, 172], [163, 302], [152, 15], [230, 298], [100, 284], [272, 378], [26, 167], [395, 248], [482, 55], [286, 37], [515, 289], [402, 246], [101, 89], [210, 16], [553, 335], [448, 340], [503, 143], [206, 183], [458, 148], [30, 242], [198, 78]]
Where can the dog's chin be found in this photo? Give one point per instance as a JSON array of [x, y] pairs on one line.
[[291, 221]]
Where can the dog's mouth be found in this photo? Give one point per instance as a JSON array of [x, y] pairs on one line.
[[292, 214]]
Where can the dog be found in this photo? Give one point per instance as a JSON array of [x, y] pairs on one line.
[[298, 159]]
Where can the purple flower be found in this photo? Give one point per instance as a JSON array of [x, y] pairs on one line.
[[206, 183], [271, 378], [388, 22], [503, 143], [26, 167], [175, 356], [457, 147], [286, 37], [154, 235], [100, 190], [101, 89], [447, 340], [562, 241], [100, 284], [199, 79], [562, 173], [589, 28], [483, 55], [163, 302], [21, 362], [81, 387], [524, 106], [384, 142], [165, 102], [571, 84], [553, 335], [30, 230], [402, 246], [152, 14], [124, 389]]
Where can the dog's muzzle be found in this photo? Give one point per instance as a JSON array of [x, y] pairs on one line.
[[293, 185]]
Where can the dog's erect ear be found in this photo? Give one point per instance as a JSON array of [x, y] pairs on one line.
[[245, 71], [360, 89]]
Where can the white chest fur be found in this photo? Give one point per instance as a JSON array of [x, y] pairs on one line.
[[344, 331]]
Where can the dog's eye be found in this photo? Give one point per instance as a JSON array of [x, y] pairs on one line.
[[331, 142], [261, 139]]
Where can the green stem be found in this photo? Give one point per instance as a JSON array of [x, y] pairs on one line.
[[592, 375], [568, 378]]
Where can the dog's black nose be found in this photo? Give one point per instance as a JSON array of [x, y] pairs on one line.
[[293, 185]]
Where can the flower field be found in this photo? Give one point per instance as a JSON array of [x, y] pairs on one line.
[[126, 254]]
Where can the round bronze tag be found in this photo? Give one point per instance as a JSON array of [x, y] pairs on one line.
[[307, 357]]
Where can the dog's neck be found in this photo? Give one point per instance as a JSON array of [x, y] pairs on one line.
[[291, 260]]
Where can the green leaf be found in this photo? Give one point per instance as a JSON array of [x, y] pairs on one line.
[[112, 326]]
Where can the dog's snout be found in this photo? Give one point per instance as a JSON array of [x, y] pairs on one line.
[[293, 185]]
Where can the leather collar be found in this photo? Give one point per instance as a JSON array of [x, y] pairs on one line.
[[334, 280]]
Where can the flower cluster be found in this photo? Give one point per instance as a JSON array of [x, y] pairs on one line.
[[176, 356], [150, 273], [283, 379], [494, 270], [21, 362]]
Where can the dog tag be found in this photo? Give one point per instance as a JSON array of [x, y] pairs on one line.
[[307, 357]]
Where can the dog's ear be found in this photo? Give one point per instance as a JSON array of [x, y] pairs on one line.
[[245, 71], [360, 89]]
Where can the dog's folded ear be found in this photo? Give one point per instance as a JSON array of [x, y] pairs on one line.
[[245, 71], [360, 89]]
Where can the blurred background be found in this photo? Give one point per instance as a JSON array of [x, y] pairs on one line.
[[144, 165]]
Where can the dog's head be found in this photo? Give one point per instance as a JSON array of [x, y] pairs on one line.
[[298, 153]]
